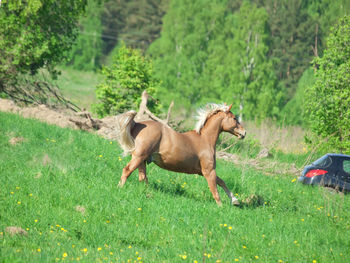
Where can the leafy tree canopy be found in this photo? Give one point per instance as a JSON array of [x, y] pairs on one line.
[[328, 101], [34, 34], [128, 76]]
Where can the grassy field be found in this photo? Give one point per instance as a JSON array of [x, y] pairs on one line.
[[79, 86], [60, 186]]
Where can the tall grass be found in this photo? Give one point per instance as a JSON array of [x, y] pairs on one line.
[[60, 186]]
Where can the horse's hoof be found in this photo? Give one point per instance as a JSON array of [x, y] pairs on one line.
[[121, 184], [235, 202]]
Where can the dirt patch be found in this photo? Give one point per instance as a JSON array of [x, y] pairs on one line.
[[16, 140], [80, 209], [46, 160], [15, 230]]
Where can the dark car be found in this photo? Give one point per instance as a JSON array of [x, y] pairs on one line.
[[331, 170]]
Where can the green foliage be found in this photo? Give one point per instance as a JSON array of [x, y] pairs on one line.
[[138, 23], [128, 76], [293, 112], [34, 34], [329, 99], [222, 59], [60, 185], [87, 51]]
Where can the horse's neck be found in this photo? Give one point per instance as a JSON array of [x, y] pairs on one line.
[[212, 129]]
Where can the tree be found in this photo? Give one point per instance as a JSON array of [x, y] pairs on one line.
[[128, 76], [138, 23], [328, 101], [35, 34], [87, 51]]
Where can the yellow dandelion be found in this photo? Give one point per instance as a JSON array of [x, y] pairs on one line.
[[111, 253], [84, 250], [107, 221], [314, 261], [58, 225], [64, 255], [139, 258], [27, 228], [73, 246], [100, 155], [230, 227], [195, 261], [225, 225], [110, 142], [263, 236], [84, 221], [39, 250], [19, 202], [236, 259], [293, 180], [129, 246], [302, 219], [209, 256], [257, 257], [30, 194], [280, 260], [295, 241], [17, 187], [139, 208], [184, 256], [62, 228], [244, 247], [99, 248], [36, 220], [12, 193]]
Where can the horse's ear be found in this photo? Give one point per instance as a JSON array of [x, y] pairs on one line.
[[229, 108]]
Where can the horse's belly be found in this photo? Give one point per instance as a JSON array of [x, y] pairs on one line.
[[189, 164]]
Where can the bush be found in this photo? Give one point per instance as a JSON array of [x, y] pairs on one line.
[[125, 80]]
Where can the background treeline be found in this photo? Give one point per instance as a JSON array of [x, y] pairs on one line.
[[255, 53]]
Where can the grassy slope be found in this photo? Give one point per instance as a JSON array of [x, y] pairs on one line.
[[79, 86], [174, 219]]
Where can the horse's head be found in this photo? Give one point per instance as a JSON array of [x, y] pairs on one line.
[[231, 124]]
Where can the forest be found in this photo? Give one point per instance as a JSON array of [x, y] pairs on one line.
[[263, 56]]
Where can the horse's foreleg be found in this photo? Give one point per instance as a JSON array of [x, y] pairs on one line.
[[142, 172], [129, 168], [234, 200], [210, 176]]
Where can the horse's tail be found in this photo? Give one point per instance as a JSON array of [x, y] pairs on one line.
[[125, 122]]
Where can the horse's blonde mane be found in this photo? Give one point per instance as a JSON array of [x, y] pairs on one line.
[[204, 113]]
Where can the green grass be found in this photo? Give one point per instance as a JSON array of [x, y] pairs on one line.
[[173, 219], [79, 86]]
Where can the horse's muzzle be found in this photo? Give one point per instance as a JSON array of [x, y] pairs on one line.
[[242, 134]]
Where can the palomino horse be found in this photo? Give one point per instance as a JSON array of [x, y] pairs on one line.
[[191, 152]]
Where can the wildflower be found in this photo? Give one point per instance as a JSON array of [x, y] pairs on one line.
[[129, 246], [263, 236], [39, 250], [84, 221], [30, 194], [110, 142], [84, 250], [280, 260], [17, 187], [36, 220], [73, 246], [99, 248], [58, 225], [314, 261], [244, 247], [12, 193], [139, 258], [236, 259], [111, 253], [293, 180], [257, 257], [100, 155], [139, 208], [195, 261], [64, 255], [19, 202], [303, 219], [230, 227], [107, 221], [225, 225]]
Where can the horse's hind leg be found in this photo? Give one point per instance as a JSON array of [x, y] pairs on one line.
[[234, 200], [142, 172], [129, 168]]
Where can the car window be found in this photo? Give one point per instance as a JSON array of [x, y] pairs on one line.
[[323, 162], [346, 166]]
